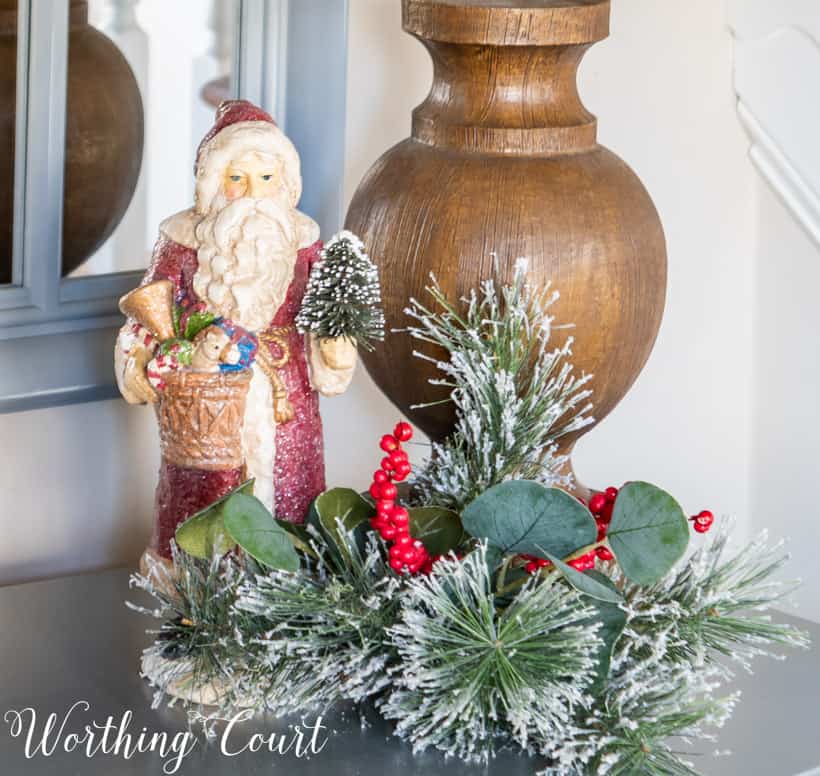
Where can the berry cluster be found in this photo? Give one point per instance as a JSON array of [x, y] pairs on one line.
[[702, 522], [392, 521], [601, 506]]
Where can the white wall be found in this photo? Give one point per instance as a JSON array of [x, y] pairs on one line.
[[76, 488], [786, 450], [77, 482]]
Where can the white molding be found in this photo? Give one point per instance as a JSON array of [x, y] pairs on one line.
[[786, 180], [276, 61], [777, 64]]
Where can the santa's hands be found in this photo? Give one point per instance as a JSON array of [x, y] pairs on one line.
[[338, 353], [133, 380], [323, 354]]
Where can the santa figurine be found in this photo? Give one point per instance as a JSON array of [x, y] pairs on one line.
[[243, 253]]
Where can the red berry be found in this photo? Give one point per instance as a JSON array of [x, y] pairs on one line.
[[604, 553], [388, 443], [397, 457], [396, 564], [376, 490], [542, 564], [395, 551], [531, 567], [606, 513], [401, 471], [387, 465], [388, 491], [611, 494], [388, 533], [385, 505], [408, 555], [400, 517], [597, 503], [404, 466], [405, 540], [602, 528], [578, 564], [380, 476], [703, 521], [403, 431]]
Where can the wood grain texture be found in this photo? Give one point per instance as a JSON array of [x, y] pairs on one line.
[[504, 163]]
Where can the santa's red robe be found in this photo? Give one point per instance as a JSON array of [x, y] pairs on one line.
[[299, 474]]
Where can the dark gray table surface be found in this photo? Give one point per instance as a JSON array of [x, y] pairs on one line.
[[72, 639]]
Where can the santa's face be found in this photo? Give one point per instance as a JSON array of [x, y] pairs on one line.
[[248, 244], [253, 176]]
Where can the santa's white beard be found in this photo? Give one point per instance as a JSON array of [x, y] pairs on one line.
[[247, 253]]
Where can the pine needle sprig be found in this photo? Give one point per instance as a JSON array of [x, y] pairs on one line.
[[471, 677], [325, 631], [514, 396], [197, 643], [713, 607]]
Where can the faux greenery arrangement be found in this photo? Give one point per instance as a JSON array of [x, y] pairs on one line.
[[486, 608]]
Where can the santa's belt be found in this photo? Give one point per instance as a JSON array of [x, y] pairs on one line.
[[283, 411]]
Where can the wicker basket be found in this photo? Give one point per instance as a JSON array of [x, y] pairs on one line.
[[201, 415]]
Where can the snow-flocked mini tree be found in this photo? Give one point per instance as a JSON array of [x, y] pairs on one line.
[[343, 298]]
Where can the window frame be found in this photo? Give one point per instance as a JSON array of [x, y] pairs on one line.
[[57, 334]]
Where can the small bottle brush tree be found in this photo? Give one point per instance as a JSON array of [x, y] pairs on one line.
[[343, 298]]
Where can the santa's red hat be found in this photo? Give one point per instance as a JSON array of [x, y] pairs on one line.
[[242, 128]]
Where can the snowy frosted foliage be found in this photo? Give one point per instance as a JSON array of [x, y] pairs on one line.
[[712, 607], [465, 671], [325, 632], [276, 640], [680, 639], [514, 396], [472, 677], [343, 298]]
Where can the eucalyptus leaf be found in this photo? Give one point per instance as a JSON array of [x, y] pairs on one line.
[[494, 558], [613, 621], [253, 528], [587, 584], [347, 506], [522, 516], [343, 504], [648, 532], [438, 529], [203, 534]]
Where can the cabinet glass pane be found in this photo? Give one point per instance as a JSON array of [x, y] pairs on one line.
[[180, 54], [8, 115]]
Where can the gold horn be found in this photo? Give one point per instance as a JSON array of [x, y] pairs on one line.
[[152, 305]]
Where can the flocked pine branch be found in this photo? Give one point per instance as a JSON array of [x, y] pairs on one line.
[[325, 639], [197, 644], [343, 298], [515, 397], [713, 608], [472, 677], [680, 638], [276, 640]]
